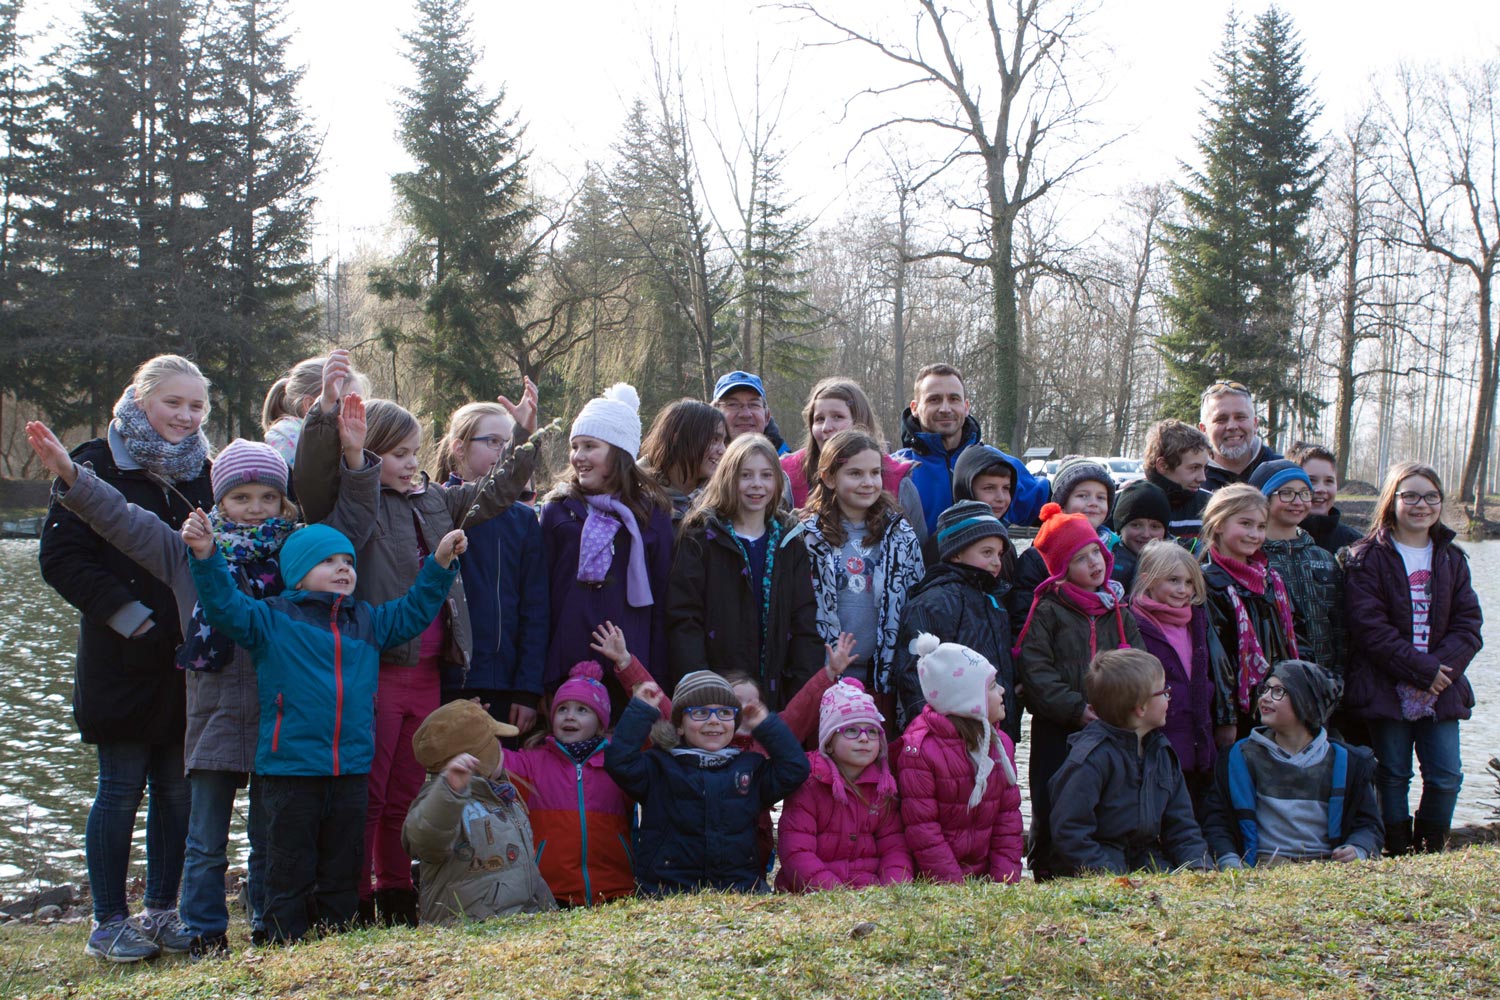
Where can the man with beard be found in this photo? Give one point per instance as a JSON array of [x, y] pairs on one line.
[[1227, 416]]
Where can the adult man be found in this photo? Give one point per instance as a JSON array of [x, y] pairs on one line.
[[741, 397], [936, 428], [1227, 416]]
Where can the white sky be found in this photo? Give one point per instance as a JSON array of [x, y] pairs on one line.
[[572, 67]]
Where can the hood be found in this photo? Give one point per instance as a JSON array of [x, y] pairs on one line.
[[929, 443], [975, 460]]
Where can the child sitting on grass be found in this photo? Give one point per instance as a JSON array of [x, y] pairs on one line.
[[1119, 802]]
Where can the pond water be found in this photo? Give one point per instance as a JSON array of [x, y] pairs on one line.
[[47, 776]]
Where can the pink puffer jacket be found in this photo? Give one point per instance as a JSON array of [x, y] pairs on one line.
[[826, 844], [948, 840]]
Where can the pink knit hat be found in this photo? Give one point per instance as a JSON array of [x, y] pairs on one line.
[[846, 704], [245, 462], [585, 685]]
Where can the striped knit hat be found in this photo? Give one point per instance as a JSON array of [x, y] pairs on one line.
[[245, 462], [965, 523], [699, 689]]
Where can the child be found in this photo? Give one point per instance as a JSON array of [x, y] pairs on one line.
[[700, 796], [1323, 521], [683, 448], [1079, 487], [956, 771], [1077, 613], [504, 575], [251, 519], [1176, 460], [843, 826], [833, 405], [865, 556], [1249, 609], [961, 600], [1167, 602], [467, 827], [291, 395], [1119, 803], [741, 593], [317, 654], [1407, 586], [391, 536], [1141, 515], [607, 537], [1311, 575], [128, 696], [1289, 791], [580, 817], [985, 474]]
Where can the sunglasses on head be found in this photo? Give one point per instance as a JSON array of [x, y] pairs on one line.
[[1219, 388]]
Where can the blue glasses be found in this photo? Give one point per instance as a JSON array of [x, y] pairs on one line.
[[702, 713]]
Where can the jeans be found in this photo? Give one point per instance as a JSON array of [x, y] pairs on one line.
[[127, 771], [312, 851], [1436, 746], [203, 908], [406, 696]]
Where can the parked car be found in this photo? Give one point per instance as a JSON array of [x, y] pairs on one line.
[[1123, 470]]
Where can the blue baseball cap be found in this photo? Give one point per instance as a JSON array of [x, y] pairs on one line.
[[738, 380]]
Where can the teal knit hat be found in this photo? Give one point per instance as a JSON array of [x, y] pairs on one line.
[[309, 546]]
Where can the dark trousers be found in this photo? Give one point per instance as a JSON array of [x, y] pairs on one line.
[[314, 831], [1049, 748]]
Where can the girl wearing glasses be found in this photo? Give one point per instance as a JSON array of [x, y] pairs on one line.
[[1407, 586], [843, 826]]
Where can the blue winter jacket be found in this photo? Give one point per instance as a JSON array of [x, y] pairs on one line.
[[317, 659], [933, 473], [698, 825], [505, 584]]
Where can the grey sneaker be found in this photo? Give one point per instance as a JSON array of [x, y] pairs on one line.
[[119, 940], [167, 930]]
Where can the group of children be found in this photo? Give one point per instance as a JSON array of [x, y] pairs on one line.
[[1180, 653]]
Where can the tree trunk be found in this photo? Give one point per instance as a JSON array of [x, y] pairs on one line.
[[1003, 422], [1484, 408], [1348, 330]]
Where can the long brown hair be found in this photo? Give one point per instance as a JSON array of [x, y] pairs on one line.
[[679, 438], [387, 425], [626, 481], [1385, 506], [823, 502], [861, 416], [721, 495]]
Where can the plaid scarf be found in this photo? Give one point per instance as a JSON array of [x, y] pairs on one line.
[[250, 550]]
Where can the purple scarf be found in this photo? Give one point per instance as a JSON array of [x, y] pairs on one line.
[[596, 547]]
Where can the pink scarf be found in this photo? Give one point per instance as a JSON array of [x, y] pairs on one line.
[[1173, 623], [1254, 576]]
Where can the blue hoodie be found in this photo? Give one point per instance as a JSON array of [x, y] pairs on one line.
[[933, 473]]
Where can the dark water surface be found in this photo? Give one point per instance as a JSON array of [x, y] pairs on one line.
[[47, 776]]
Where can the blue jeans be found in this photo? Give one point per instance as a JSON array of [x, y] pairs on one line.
[[126, 772], [1436, 746], [203, 908]]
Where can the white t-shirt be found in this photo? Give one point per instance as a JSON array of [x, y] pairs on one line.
[[1418, 563]]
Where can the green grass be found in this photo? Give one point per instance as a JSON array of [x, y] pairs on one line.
[[1422, 927]]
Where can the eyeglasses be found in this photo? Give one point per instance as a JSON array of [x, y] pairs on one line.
[[1163, 693], [724, 713], [735, 406], [495, 441], [853, 733], [1219, 388], [1289, 495], [1412, 499], [1272, 693]]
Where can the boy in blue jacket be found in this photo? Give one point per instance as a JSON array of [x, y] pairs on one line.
[[317, 657]]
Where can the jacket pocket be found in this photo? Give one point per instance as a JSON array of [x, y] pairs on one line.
[[276, 731]]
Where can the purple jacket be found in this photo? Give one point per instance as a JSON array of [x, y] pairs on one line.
[[1377, 604], [577, 609], [1190, 719]]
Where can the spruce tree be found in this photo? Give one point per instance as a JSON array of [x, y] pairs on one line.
[[20, 145], [1236, 259]]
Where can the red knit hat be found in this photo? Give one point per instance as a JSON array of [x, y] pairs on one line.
[[1062, 537]]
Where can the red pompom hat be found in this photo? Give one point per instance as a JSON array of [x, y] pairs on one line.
[[1061, 538]]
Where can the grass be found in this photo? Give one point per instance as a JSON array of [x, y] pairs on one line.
[[1418, 927]]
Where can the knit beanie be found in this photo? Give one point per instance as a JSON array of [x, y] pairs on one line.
[[1268, 477], [965, 523], [1061, 537], [700, 689], [306, 547], [1074, 472], [613, 417], [461, 726], [956, 681], [1142, 499], [1312, 690], [245, 462], [585, 685]]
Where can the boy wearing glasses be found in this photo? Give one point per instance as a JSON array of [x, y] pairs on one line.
[[700, 796], [1288, 791], [1313, 579], [1119, 802]]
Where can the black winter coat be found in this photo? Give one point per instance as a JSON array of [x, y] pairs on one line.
[[961, 604], [1329, 531], [1274, 641], [712, 606], [1031, 570], [1186, 509], [124, 689]]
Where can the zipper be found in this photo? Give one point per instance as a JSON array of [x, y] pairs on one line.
[[338, 679], [276, 732], [583, 828], [499, 561]]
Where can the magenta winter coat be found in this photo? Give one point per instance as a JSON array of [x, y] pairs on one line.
[[826, 845], [948, 840]]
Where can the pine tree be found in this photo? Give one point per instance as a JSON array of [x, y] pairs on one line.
[[20, 145], [469, 210], [1236, 259]]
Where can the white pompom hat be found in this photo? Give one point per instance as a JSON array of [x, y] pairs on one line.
[[956, 681], [613, 417]]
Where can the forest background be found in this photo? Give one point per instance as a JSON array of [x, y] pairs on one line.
[[800, 189]]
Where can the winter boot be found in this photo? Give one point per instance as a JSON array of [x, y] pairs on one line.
[[365, 917], [1429, 838], [397, 907], [1398, 838]]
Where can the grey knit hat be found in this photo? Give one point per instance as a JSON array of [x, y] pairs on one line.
[[1076, 471], [701, 688], [965, 523], [1312, 690]]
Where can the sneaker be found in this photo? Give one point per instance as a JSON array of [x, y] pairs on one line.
[[119, 940], [208, 946], [167, 930]]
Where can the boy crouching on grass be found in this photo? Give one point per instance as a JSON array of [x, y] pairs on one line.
[[1119, 802]]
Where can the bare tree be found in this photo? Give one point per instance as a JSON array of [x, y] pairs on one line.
[[1147, 204]]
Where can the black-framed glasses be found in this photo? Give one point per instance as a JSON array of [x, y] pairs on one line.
[[1288, 495], [1272, 693], [1412, 499], [702, 713], [853, 733]]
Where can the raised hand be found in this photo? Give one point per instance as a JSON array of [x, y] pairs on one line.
[[197, 534], [51, 451], [610, 641], [649, 692], [524, 412], [458, 770], [753, 713], [336, 372], [840, 655], [454, 544], [352, 430]]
